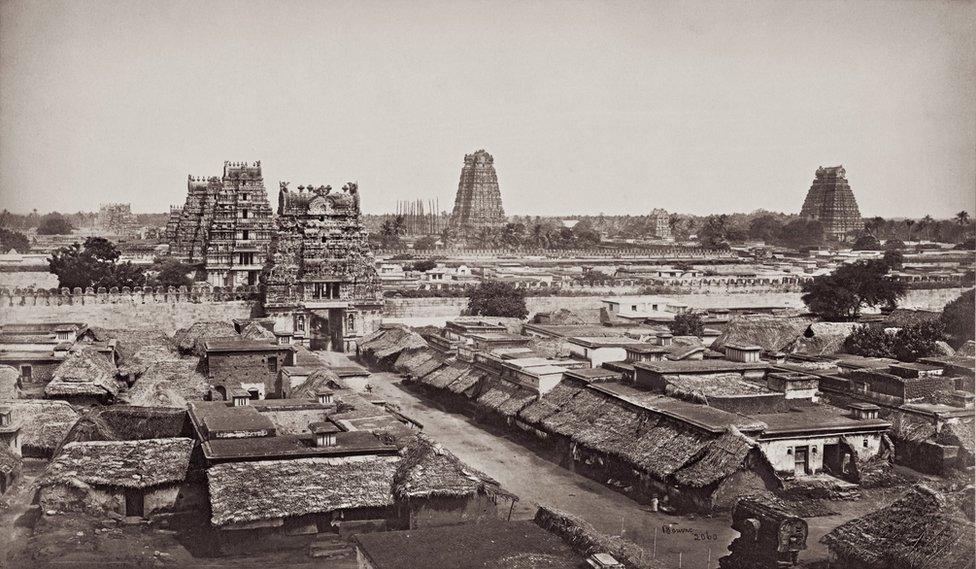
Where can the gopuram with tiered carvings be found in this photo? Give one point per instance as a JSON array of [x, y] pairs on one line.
[[478, 203], [224, 226], [320, 283], [831, 202]]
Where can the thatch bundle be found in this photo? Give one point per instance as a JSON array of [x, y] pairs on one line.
[[129, 422], [586, 540], [130, 464], [921, 530]]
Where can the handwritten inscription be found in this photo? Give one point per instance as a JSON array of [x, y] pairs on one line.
[[699, 535]]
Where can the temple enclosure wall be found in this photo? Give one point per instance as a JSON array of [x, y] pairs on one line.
[[150, 309], [171, 310]]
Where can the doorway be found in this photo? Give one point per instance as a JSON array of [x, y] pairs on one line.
[[802, 464], [134, 502]]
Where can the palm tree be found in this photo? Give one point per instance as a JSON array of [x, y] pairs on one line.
[[925, 224], [962, 218], [909, 223]]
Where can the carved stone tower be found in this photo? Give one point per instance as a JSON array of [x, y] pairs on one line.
[[478, 202], [831, 201]]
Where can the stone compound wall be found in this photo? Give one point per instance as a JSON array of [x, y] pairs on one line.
[[148, 308]]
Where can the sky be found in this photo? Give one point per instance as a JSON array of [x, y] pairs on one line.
[[587, 107]]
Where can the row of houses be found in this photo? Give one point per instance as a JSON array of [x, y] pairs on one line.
[[693, 433]]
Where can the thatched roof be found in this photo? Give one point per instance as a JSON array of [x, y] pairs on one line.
[[466, 381], [548, 404], [130, 464], [242, 492], [169, 382], [968, 349], [505, 398], [824, 338], [129, 422], [137, 348], [771, 333], [43, 423], [190, 340], [317, 380], [85, 372], [255, 331], [428, 469], [446, 375], [389, 343], [698, 388], [719, 459], [920, 530]]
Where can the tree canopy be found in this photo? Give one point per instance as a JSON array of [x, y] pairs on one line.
[[13, 240], [907, 344], [959, 318], [841, 294], [496, 298], [172, 272], [687, 325], [94, 264], [54, 224]]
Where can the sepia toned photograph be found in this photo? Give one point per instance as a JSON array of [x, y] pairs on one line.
[[488, 284]]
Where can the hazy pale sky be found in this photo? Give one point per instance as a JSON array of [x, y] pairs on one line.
[[587, 107]]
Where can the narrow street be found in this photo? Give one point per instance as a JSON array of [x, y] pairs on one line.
[[540, 481]]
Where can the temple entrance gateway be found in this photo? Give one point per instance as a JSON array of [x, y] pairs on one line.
[[327, 329]]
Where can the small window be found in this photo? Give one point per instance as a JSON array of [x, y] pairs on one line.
[[244, 214], [26, 372], [245, 234], [272, 364], [634, 307], [865, 443]]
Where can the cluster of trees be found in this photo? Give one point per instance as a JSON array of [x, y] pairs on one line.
[[54, 224], [496, 298], [956, 325], [95, 263], [908, 344], [841, 295], [515, 235], [13, 240]]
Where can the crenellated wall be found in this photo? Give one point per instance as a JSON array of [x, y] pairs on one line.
[[141, 308]]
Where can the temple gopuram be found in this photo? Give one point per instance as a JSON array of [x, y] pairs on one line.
[[320, 284], [225, 225], [478, 203], [831, 202]]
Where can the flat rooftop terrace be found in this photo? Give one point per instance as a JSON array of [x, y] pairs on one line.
[[815, 419], [702, 416]]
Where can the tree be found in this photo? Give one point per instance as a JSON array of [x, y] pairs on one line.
[[894, 244], [801, 233], [390, 231], [893, 258], [765, 227], [593, 277], [959, 318], [54, 224], [917, 341], [423, 266], [870, 341], [13, 240], [909, 223], [496, 298], [962, 218], [841, 294], [585, 236], [513, 235], [94, 264], [907, 344], [426, 243], [687, 325], [867, 242], [172, 272]]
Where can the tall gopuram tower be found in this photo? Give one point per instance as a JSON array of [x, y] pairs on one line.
[[831, 201], [478, 202], [320, 282], [225, 225]]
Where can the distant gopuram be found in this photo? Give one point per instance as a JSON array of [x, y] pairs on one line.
[[831, 201], [478, 203]]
